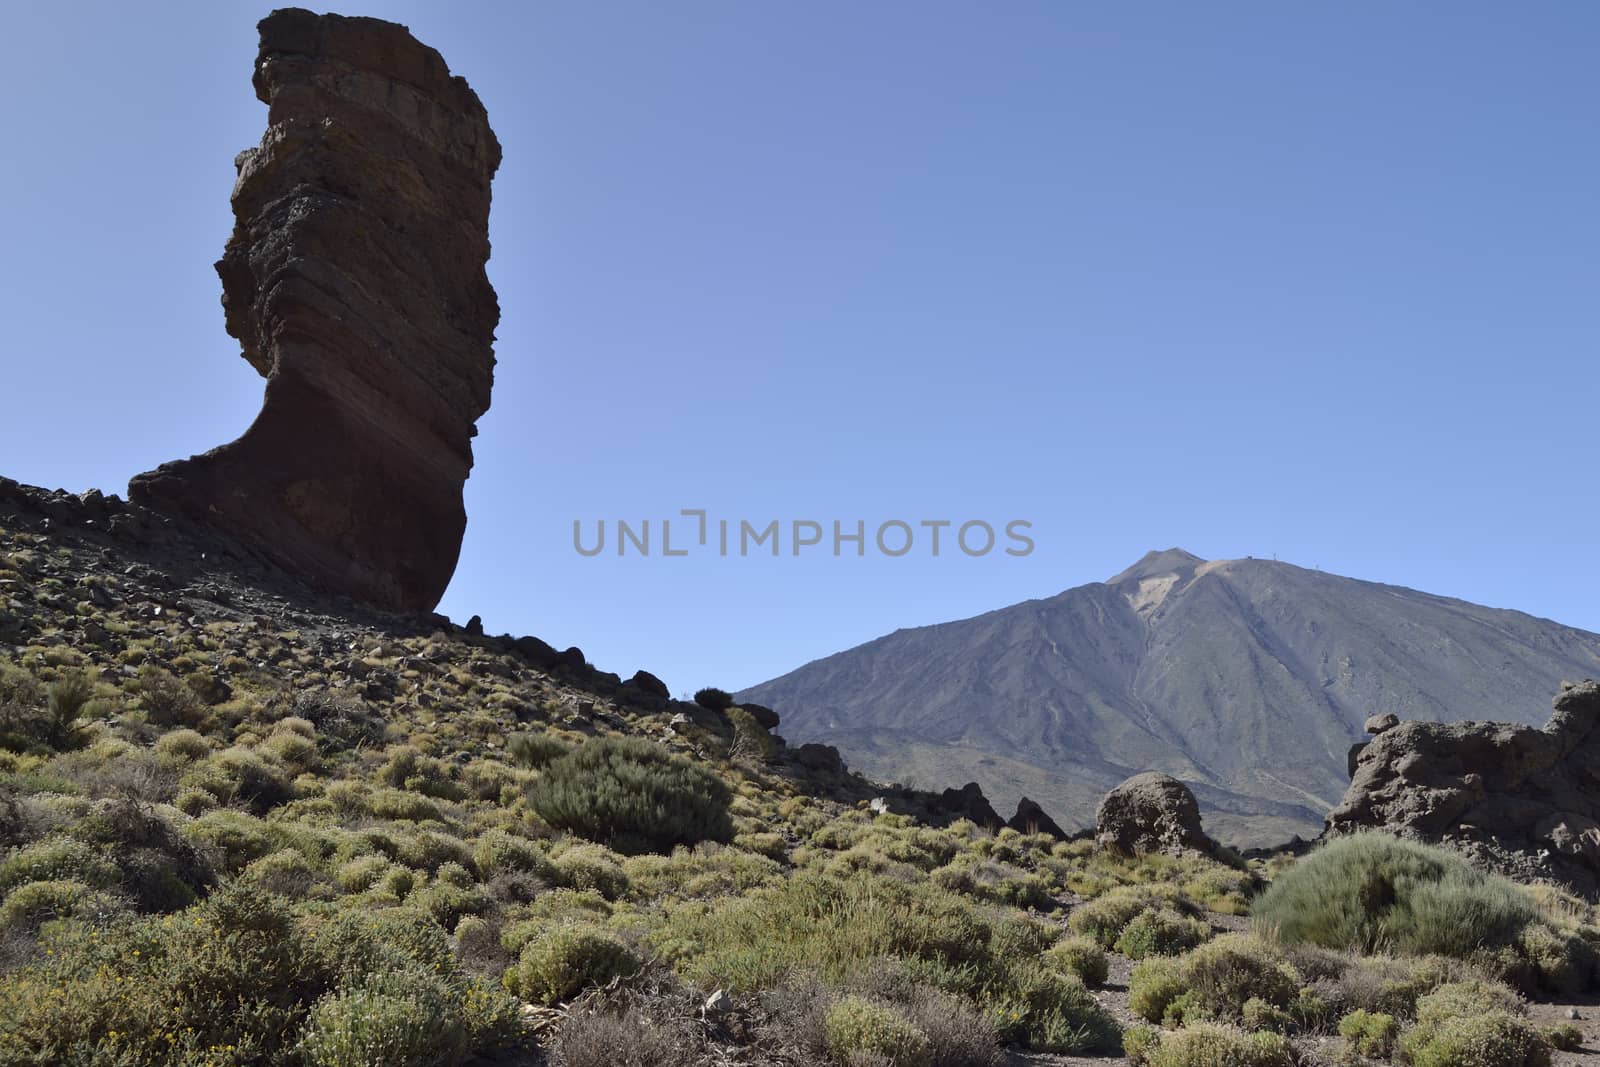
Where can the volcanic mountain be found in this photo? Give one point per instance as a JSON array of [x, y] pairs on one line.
[[1250, 679]]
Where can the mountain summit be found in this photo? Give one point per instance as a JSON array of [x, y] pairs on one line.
[[1250, 679]]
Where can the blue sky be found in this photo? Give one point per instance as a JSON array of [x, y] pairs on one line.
[[1248, 278]]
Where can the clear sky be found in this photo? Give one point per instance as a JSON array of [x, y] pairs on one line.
[[1316, 281]]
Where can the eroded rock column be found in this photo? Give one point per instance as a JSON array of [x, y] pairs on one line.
[[354, 280]]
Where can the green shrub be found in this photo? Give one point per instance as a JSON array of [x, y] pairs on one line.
[[1472, 997], [65, 702], [237, 838], [445, 903], [1309, 1010], [184, 744], [361, 873], [166, 701], [1257, 1014], [1105, 917], [1564, 1038], [1159, 932], [1049, 1011], [231, 973], [565, 960], [591, 867], [773, 846], [1138, 1042], [498, 851], [21, 698], [57, 859], [633, 796], [536, 750], [1375, 893], [404, 805], [1155, 984], [1079, 956], [1560, 963], [250, 779], [1211, 1045], [1370, 1034], [856, 1027], [1217, 979], [751, 741], [401, 1018], [285, 873], [29, 906], [1493, 1039]]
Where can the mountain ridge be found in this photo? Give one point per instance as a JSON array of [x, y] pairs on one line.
[[1248, 678]]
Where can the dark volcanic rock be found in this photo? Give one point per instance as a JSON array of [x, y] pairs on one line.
[[824, 758], [1151, 812], [649, 683], [968, 802], [1516, 798], [1377, 724], [355, 282], [764, 716], [1032, 819]]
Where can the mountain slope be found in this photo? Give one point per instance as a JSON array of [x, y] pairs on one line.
[[1248, 678]]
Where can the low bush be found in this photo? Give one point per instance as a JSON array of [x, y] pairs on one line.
[[1493, 1039], [1375, 893], [1080, 956], [184, 745], [857, 1027], [535, 750], [399, 1018], [1048, 1011], [1369, 1034], [166, 701], [31, 905], [565, 960], [1104, 918], [1159, 932], [633, 796], [1475, 1021], [1213, 982], [1212, 1045], [1564, 1038], [58, 859]]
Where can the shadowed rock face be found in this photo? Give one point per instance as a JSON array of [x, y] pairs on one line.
[[355, 282], [1514, 797]]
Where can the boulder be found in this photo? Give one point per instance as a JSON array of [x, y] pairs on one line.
[[822, 758], [649, 683], [1377, 724], [354, 281], [1519, 799], [764, 716], [1151, 812]]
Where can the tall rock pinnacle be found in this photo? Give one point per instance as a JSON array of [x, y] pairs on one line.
[[354, 280]]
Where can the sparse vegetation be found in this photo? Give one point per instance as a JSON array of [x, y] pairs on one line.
[[632, 796], [220, 843]]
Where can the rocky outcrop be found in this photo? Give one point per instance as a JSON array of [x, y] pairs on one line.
[[1151, 812], [1377, 724], [1032, 819], [1518, 798], [968, 802], [764, 716], [354, 281]]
